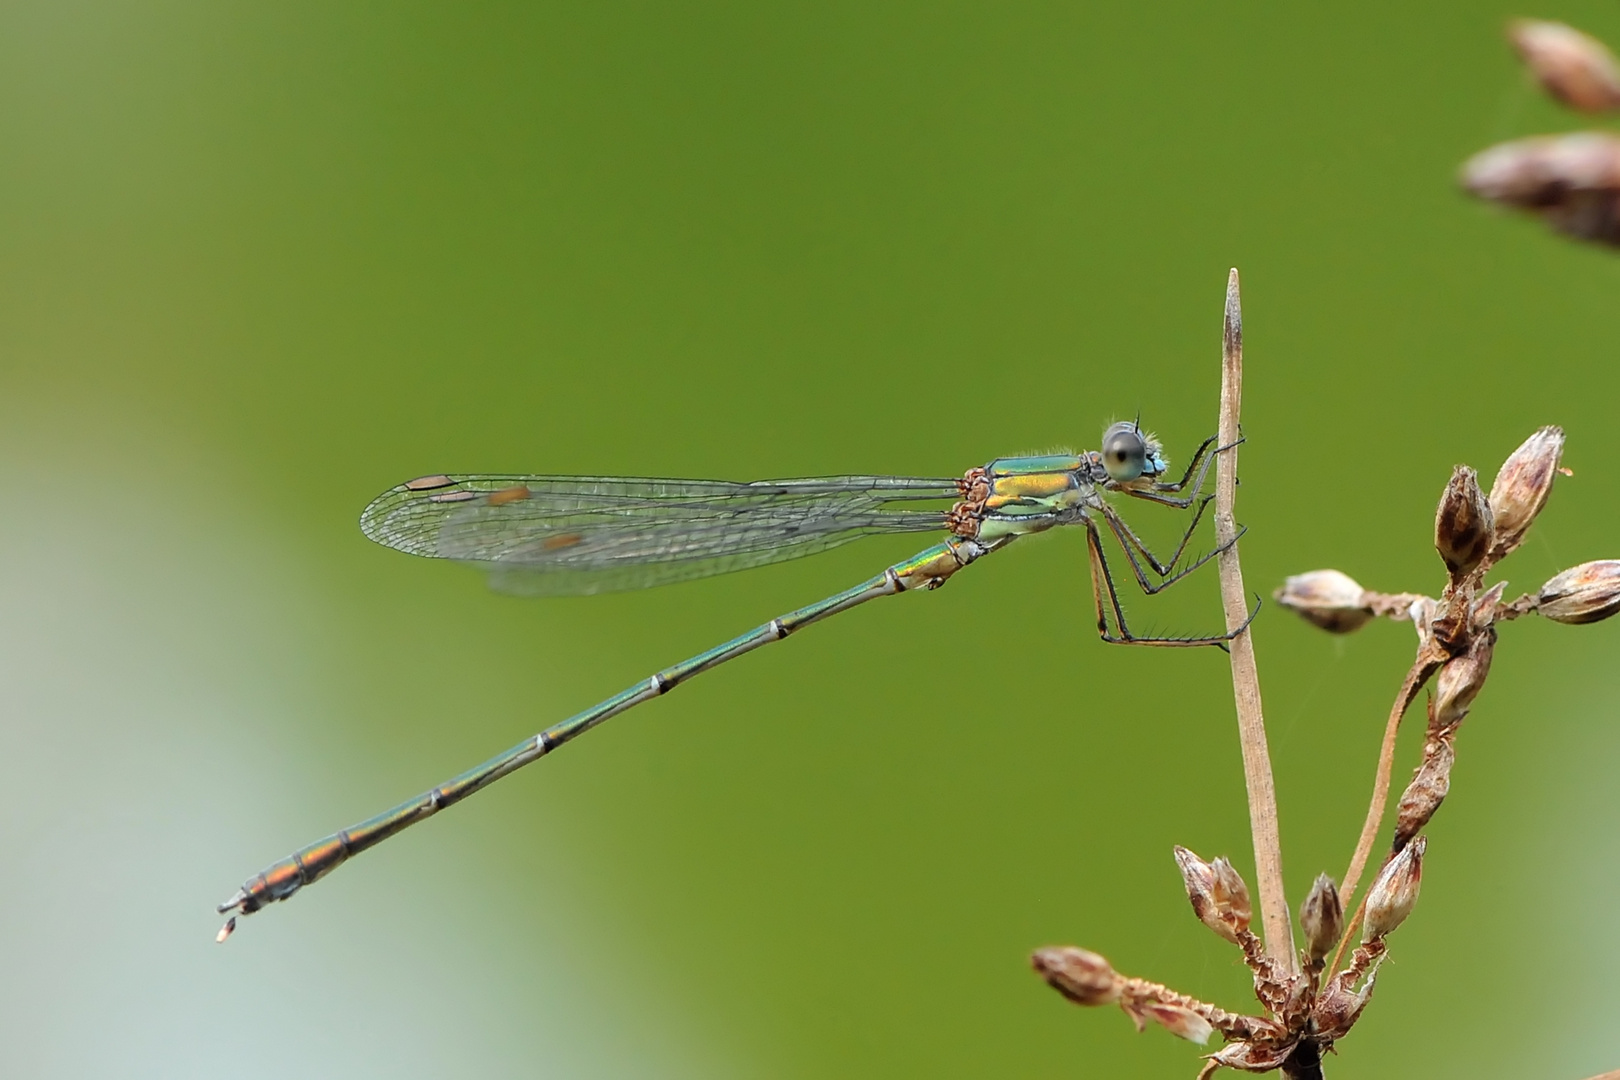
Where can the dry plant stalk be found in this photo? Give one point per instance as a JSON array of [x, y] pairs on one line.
[[1309, 1001], [1245, 677]]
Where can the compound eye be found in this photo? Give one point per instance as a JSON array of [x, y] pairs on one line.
[[1124, 453]]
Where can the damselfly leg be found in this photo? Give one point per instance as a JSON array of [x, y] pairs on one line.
[[1102, 578], [1102, 583], [1132, 544]]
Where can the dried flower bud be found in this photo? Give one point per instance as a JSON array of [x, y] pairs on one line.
[[1534, 173], [1586, 593], [1325, 598], [1523, 483], [1338, 1007], [1393, 894], [1321, 916], [1083, 977], [1422, 614], [1257, 1057], [1575, 68], [1199, 878], [1459, 681], [1462, 523], [1174, 1019], [1483, 613], [1572, 181], [1231, 893], [1219, 896], [1428, 789]]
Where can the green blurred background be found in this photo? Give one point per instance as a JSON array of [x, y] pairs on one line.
[[260, 262]]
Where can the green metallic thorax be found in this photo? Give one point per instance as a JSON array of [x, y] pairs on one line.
[[1030, 494], [1046, 463]]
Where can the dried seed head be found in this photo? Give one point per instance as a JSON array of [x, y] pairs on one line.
[[1426, 792], [1586, 593], [1083, 977], [1572, 181], [1325, 598], [1321, 916], [1573, 67], [1462, 523], [1460, 680], [1199, 878], [1523, 483], [1535, 173], [1219, 896], [1393, 894]]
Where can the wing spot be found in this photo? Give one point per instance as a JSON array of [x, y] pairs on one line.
[[509, 495], [561, 540], [428, 483], [453, 496]]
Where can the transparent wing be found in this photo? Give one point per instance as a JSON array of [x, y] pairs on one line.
[[555, 535]]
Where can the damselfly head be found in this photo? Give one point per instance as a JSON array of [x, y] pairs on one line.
[[1129, 453]]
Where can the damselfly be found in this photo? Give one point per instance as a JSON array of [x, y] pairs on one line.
[[552, 535]]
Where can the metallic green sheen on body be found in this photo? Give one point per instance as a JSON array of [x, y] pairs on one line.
[[1031, 494], [1046, 463]]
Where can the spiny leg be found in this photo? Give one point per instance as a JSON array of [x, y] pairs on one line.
[[1192, 463], [1128, 541], [1103, 581], [1128, 538], [1201, 460]]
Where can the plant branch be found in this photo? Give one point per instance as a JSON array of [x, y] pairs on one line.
[[1274, 916], [1426, 664], [1430, 656]]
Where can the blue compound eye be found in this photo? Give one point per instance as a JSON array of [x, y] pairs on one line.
[[1124, 453]]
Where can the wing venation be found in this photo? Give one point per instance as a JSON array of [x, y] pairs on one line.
[[582, 534]]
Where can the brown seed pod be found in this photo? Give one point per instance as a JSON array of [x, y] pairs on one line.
[[1525, 479], [1321, 916], [1573, 67], [1325, 598], [1586, 593], [1426, 792], [1463, 523], [1083, 977], [1459, 682], [1219, 896], [1571, 181], [1232, 893], [1395, 891]]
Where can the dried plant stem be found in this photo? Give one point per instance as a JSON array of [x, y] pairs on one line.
[[1422, 668], [1428, 661], [1245, 677]]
